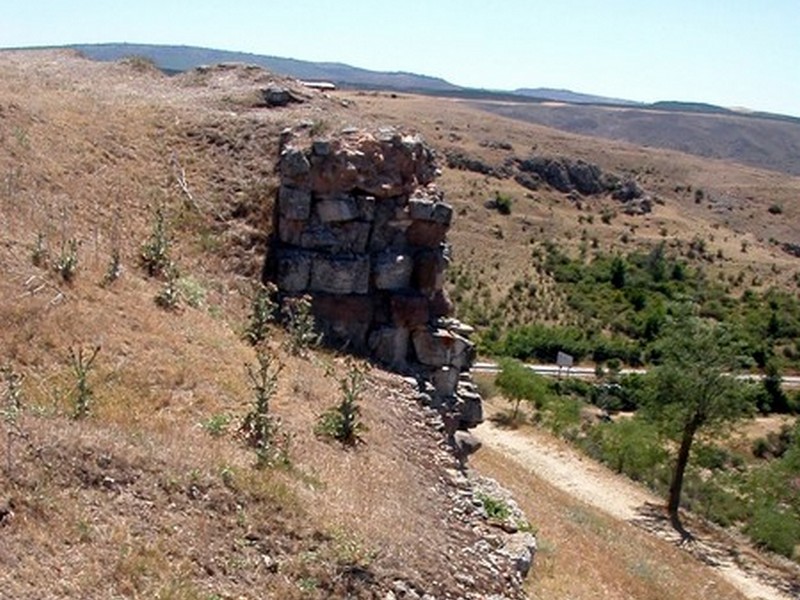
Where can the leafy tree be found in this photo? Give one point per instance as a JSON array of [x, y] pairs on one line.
[[519, 383], [693, 391]]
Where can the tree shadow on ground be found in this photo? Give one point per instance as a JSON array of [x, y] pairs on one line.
[[714, 549]]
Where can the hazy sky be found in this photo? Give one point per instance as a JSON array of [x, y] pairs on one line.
[[727, 52]]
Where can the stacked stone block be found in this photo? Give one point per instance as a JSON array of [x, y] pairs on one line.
[[361, 228]]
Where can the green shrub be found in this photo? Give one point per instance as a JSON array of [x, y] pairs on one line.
[[713, 501], [192, 291], [502, 203], [114, 269], [262, 312], [169, 296], [259, 428], [775, 209], [561, 415], [66, 264], [81, 366], [710, 456], [496, 508], [632, 447], [343, 421], [300, 323], [217, 425], [775, 528], [155, 252]]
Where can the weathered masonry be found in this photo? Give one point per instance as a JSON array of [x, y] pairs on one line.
[[361, 228]]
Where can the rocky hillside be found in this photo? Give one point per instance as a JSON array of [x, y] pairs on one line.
[[759, 140], [153, 490], [136, 211]]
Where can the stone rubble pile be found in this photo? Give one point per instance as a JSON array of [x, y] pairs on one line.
[[361, 228], [490, 557]]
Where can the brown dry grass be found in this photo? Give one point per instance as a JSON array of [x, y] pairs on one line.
[[584, 553], [139, 500], [733, 216]]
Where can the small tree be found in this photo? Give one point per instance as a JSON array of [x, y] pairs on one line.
[[618, 272], [66, 264], [693, 391], [155, 253], [169, 295], [519, 383]]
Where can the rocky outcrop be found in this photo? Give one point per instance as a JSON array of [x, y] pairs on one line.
[[361, 228], [567, 175], [275, 95]]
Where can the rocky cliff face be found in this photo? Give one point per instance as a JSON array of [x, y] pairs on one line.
[[361, 228]]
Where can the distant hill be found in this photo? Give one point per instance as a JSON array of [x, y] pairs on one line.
[[175, 59], [572, 97], [758, 139]]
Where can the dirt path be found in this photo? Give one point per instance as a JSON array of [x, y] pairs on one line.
[[566, 469]]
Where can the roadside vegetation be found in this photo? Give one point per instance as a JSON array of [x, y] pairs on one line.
[[672, 430], [616, 308]]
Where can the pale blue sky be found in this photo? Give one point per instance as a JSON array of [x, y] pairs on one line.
[[727, 52]]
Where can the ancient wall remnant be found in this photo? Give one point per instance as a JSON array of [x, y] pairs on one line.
[[361, 228]]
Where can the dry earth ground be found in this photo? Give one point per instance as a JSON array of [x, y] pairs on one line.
[[586, 512], [139, 500]]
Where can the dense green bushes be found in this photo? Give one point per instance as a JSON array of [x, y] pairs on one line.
[[624, 303]]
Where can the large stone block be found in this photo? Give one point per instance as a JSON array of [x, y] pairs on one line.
[[445, 380], [390, 346], [336, 238], [342, 208], [462, 352], [294, 164], [440, 305], [344, 320], [340, 274], [429, 267], [424, 209], [470, 410], [427, 234], [390, 235], [294, 203], [291, 232], [439, 348], [318, 237], [366, 207], [409, 310], [353, 236], [392, 271], [293, 271]]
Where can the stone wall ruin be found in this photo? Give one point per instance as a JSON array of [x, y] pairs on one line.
[[361, 228]]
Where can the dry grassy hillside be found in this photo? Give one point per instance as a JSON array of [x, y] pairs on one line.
[[731, 208], [154, 495]]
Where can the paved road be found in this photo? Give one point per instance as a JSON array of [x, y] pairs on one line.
[[789, 381]]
